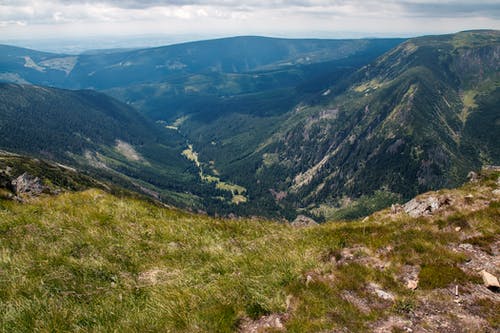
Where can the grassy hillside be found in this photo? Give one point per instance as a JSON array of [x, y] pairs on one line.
[[91, 261]]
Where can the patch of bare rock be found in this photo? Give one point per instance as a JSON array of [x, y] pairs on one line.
[[361, 255], [478, 259], [423, 206], [27, 184], [272, 321], [303, 221], [22, 187]]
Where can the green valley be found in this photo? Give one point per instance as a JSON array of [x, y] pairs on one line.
[[328, 128]]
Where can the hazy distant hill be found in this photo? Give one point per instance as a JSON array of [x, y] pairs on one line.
[[165, 79], [19, 65]]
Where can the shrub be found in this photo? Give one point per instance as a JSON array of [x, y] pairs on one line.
[[439, 276]]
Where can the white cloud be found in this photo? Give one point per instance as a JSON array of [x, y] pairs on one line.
[[231, 17]]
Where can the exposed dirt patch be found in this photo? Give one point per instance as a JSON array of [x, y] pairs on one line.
[[392, 324], [153, 277], [361, 255]]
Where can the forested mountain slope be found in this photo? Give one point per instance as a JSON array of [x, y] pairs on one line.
[[418, 118], [95, 132], [272, 126]]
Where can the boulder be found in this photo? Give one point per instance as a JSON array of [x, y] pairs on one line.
[[303, 221], [375, 289], [472, 176], [412, 284], [27, 184], [425, 206], [490, 280]]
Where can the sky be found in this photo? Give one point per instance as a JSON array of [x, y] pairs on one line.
[[178, 20]]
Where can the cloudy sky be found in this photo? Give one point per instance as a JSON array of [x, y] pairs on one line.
[[32, 19]]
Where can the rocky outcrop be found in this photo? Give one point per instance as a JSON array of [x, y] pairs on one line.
[[303, 221], [473, 177], [425, 206], [29, 185]]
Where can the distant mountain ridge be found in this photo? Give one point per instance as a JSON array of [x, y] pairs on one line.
[[302, 125], [418, 118], [229, 55], [166, 82]]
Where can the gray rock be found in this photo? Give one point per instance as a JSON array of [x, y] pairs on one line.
[[303, 221], [466, 246], [490, 280], [472, 176], [384, 295], [375, 288], [425, 206], [27, 184]]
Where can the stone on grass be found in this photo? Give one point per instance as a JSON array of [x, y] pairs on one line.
[[28, 185], [303, 221], [490, 280], [412, 284]]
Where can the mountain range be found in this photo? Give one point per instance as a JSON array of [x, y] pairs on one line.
[[260, 126], [418, 118]]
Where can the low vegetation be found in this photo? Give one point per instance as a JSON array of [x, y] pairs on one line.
[[92, 261]]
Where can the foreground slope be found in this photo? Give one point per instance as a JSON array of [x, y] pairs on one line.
[[418, 118], [92, 261]]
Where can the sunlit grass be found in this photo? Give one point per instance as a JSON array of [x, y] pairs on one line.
[[90, 261]]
